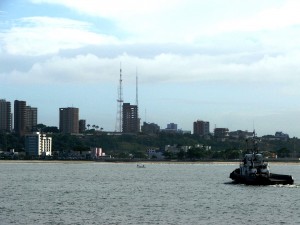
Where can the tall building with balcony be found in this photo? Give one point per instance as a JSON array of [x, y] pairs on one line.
[[37, 144], [5, 116], [69, 120], [131, 122], [201, 128]]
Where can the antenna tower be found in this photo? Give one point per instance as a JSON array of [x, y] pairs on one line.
[[137, 99], [119, 102], [136, 91]]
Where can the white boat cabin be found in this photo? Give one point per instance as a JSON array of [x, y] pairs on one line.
[[253, 164]]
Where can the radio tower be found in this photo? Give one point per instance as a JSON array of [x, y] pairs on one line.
[[137, 100], [119, 102], [136, 91]]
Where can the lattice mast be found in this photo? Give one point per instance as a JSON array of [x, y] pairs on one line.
[[137, 99], [119, 103], [136, 91]]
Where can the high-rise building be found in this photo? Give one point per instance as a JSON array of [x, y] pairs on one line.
[[82, 126], [37, 144], [25, 118], [201, 128], [69, 120], [5, 115], [31, 118], [130, 120], [20, 117]]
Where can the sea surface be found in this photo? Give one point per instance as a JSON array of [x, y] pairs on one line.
[[121, 193]]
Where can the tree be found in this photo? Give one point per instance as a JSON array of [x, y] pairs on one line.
[[40, 127], [196, 153], [283, 152], [51, 130], [232, 154], [181, 155], [139, 155], [168, 155]]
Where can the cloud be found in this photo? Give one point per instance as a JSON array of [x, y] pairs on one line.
[[113, 8], [166, 44], [272, 18], [45, 35], [162, 68], [256, 28], [187, 21], [60, 70]]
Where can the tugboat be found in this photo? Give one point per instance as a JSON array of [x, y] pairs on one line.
[[255, 171]]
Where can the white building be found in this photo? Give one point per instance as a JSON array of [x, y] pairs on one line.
[[97, 152], [37, 144]]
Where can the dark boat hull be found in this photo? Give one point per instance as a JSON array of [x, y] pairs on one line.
[[272, 179]]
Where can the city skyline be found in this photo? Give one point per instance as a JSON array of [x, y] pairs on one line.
[[234, 64], [71, 122]]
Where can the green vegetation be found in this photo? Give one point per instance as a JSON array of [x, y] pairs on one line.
[[135, 146]]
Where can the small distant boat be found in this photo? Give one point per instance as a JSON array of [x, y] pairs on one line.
[[140, 166], [254, 171]]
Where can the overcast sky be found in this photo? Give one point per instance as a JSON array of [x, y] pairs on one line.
[[233, 63]]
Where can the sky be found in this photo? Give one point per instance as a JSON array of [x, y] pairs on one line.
[[233, 63]]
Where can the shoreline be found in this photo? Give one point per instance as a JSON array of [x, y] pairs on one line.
[[281, 162]]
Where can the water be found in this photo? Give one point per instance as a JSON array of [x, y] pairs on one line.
[[103, 193]]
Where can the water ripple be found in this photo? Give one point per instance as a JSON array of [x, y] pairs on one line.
[[97, 193]]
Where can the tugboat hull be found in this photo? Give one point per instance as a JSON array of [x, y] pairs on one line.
[[272, 179]]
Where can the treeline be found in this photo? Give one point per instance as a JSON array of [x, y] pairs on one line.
[[126, 146]]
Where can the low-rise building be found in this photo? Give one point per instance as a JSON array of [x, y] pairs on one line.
[[177, 148], [172, 129], [239, 134], [38, 144], [221, 133], [279, 136], [155, 154], [97, 152], [282, 136]]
